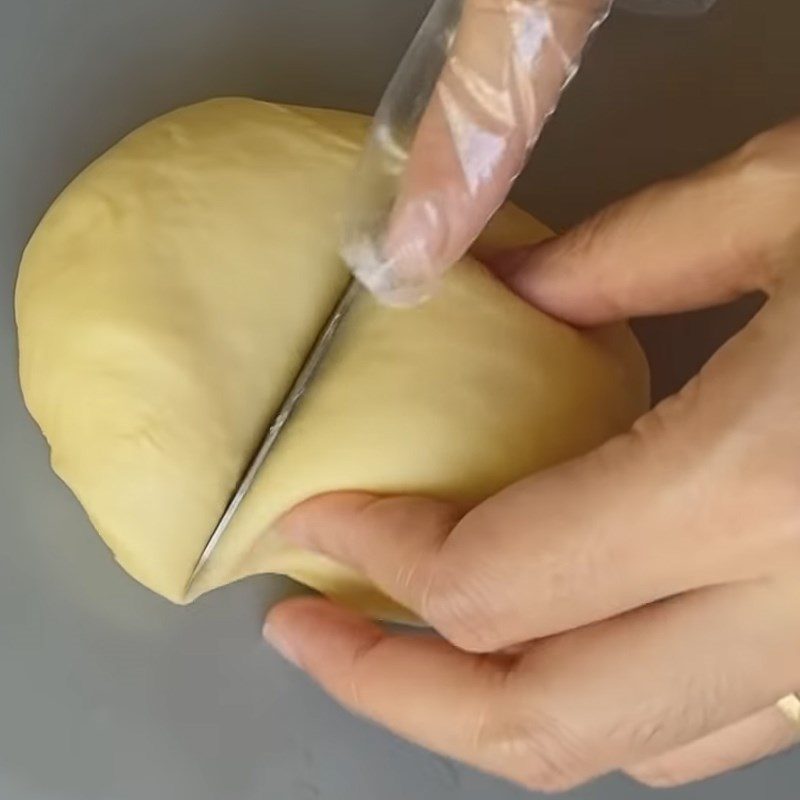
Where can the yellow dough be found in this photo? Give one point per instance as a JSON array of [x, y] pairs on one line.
[[165, 303]]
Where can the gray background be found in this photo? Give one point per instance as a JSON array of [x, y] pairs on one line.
[[109, 693]]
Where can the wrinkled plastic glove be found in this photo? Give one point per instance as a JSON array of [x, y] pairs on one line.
[[453, 132]]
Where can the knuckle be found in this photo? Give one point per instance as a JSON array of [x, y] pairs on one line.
[[591, 233], [548, 779], [538, 752], [662, 424], [635, 734], [453, 607], [772, 153], [778, 503], [459, 608], [766, 170], [661, 775], [403, 564], [352, 694]]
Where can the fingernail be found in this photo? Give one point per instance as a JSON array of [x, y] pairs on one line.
[[280, 644]]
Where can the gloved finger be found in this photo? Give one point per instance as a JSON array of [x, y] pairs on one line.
[[682, 244], [573, 706], [761, 735], [507, 66]]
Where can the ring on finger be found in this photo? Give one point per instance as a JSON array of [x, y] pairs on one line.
[[790, 706]]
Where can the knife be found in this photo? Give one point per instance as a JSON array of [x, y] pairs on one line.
[[309, 370]]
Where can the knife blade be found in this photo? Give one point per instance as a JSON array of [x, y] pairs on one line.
[[304, 378]]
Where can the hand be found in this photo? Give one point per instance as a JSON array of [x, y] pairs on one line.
[[637, 608], [504, 74]]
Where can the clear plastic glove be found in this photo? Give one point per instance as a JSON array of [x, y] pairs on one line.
[[454, 131], [637, 608]]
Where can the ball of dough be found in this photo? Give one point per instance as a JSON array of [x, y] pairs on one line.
[[165, 304]]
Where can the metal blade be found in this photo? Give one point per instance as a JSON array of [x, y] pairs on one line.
[[305, 376]]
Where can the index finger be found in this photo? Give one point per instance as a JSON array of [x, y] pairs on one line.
[[502, 79]]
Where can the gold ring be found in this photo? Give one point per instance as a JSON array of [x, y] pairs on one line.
[[790, 705]]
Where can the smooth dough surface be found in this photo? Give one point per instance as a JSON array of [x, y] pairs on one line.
[[165, 303]]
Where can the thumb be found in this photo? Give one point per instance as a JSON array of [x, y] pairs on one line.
[[678, 245]]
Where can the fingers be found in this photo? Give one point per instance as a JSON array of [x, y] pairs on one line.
[[765, 733], [508, 63], [629, 689], [654, 519], [571, 707], [393, 541], [701, 492], [678, 245], [418, 686]]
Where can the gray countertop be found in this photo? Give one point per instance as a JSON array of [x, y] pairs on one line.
[[109, 693]]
